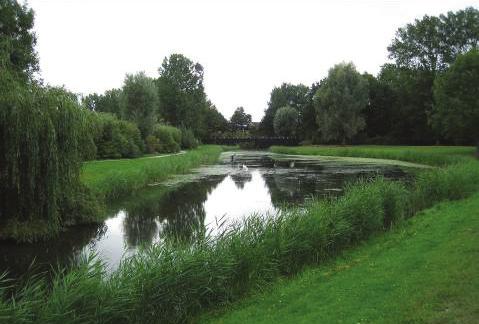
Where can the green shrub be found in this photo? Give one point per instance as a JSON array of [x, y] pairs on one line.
[[151, 144], [188, 140], [169, 138], [115, 138]]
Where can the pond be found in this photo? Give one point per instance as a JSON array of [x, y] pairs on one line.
[[202, 202]]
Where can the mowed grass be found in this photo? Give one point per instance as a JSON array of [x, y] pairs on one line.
[[431, 155], [115, 178], [425, 271]]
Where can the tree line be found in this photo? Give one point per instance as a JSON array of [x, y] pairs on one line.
[[427, 95], [170, 111]]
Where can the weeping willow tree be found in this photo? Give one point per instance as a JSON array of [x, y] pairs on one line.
[[40, 161]]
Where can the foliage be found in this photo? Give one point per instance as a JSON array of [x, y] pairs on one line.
[[240, 119], [115, 138], [182, 98], [433, 43], [380, 115], [308, 128], [140, 102], [456, 96], [403, 99], [168, 139], [340, 102], [91, 132], [110, 102], [152, 144], [40, 158], [216, 123], [286, 121], [17, 39], [188, 140], [286, 95]]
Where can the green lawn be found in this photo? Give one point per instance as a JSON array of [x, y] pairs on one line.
[[114, 178], [427, 270], [432, 155]]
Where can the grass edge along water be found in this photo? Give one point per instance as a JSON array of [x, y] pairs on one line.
[[430, 155], [115, 178], [170, 283]]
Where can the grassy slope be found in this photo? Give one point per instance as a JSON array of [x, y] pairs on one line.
[[425, 271], [114, 178]]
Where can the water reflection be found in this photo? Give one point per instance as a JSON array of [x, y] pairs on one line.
[[191, 206]]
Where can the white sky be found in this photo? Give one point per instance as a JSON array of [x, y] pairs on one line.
[[246, 47]]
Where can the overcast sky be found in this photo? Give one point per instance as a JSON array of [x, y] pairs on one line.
[[246, 47]]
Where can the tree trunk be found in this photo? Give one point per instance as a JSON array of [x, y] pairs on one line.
[[477, 150]]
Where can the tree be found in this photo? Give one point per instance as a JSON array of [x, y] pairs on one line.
[[140, 102], [380, 113], [110, 102], [216, 123], [286, 121], [286, 95], [182, 98], [17, 40], [240, 119], [340, 102], [308, 128], [40, 159], [433, 43], [410, 102], [456, 97]]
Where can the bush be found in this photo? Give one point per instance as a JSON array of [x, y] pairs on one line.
[[188, 140], [152, 144], [169, 139], [116, 138]]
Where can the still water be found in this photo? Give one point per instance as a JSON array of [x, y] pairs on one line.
[[193, 205]]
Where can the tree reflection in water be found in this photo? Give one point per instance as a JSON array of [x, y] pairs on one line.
[[177, 214], [241, 178], [64, 252]]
